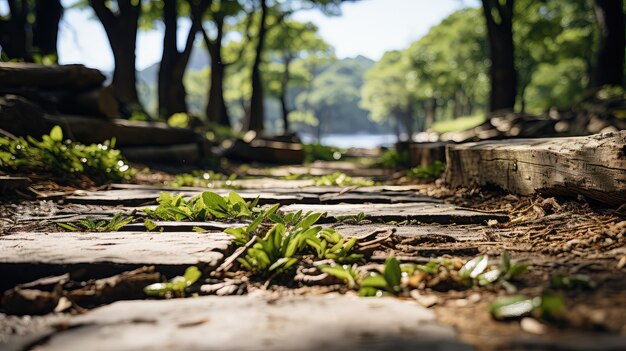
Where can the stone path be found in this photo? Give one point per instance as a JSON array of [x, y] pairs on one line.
[[424, 226]]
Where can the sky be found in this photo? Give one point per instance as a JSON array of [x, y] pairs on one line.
[[367, 27]]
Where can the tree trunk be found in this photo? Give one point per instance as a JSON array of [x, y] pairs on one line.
[[257, 108], [609, 68], [172, 93], [16, 32], [46, 28], [121, 30], [216, 110], [502, 54], [168, 59], [430, 113], [284, 85]]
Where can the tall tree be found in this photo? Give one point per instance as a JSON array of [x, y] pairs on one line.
[[171, 90], [499, 19], [280, 10], [48, 14], [16, 32], [256, 118], [289, 42], [216, 110], [609, 66], [121, 27]]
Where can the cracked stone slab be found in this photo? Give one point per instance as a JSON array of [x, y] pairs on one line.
[[455, 233], [134, 197], [148, 196], [255, 323], [28, 256], [117, 247], [422, 212]]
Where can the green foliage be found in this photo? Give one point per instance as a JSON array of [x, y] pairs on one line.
[[357, 218], [459, 123], [90, 225], [344, 272], [547, 306], [433, 171], [179, 120], [572, 282], [558, 85], [52, 154], [393, 159], [202, 207], [329, 244], [149, 224], [176, 285], [388, 281], [475, 272], [243, 234], [292, 236], [206, 179], [273, 253], [315, 152], [341, 179]]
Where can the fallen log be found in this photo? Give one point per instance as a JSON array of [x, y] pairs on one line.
[[31, 75], [94, 102], [593, 166], [261, 150], [127, 133], [182, 154], [21, 117]]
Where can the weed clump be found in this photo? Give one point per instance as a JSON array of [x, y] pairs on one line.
[[53, 154]]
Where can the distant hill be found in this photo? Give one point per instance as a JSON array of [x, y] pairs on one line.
[[347, 73], [199, 60]]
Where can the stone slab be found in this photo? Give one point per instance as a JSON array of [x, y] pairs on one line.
[[28, 256], [456, 233], [249, 323], [148, 197], [423, 212], [145, 248]]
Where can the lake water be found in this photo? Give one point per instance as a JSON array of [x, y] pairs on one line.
[[353, 140]]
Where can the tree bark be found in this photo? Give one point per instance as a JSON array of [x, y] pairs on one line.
[[16, 32], [609, 68], [216, 110], [257, 106], [499, 18], [121, 30], [46, 27], [284, 85], [172, 92]]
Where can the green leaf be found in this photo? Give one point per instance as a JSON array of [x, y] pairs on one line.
[[393, 273], [374, 280], [309, 220], [68, 226], [474, 267], [192, 274], [234, 198], [489, 277], [551, 305], [512, 307], [368, 291], [56, 133], [572, 282], [505, 261]]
